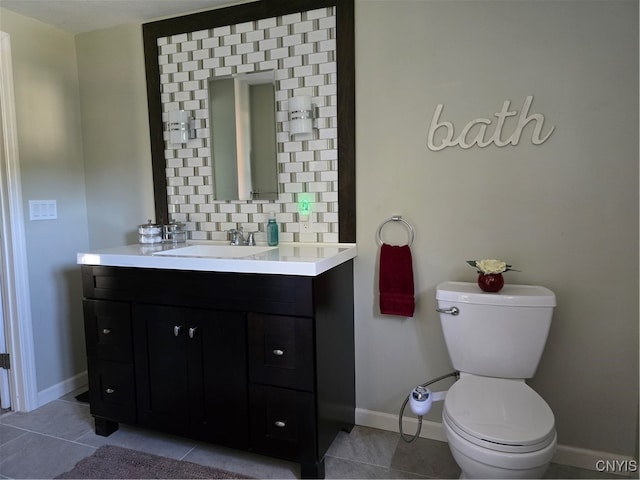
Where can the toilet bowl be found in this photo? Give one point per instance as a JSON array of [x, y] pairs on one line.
[[498, 428]]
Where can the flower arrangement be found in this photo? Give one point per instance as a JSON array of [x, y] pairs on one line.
[[490, 266], [490, 273]]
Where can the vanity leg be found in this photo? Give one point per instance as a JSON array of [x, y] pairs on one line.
[[347, 427], [312, 470], [104, 427]]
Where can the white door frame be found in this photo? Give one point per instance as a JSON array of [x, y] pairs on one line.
[[16, 296]]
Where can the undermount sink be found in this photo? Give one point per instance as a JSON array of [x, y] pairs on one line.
[[215, 251]]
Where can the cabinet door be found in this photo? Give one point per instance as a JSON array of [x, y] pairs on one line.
[[160, 343], [221, 363], [191, 372]]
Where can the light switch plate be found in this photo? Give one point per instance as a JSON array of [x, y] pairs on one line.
[[43, 210]]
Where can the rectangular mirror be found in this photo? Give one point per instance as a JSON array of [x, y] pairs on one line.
[[242, 123]]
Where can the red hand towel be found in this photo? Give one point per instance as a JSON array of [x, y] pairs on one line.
[[396, 281]]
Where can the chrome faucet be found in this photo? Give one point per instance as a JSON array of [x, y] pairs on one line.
[[236, 238]]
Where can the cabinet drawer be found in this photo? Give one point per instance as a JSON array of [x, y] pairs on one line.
[[107, 328], [281, 351], [112, 391], [283, 423]]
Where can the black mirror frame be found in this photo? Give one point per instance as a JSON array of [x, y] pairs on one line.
[[345, 53]]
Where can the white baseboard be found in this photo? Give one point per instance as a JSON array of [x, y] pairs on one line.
[[66, 386], [565, 455], [389, 422]]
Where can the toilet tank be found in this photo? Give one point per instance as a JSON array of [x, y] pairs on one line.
[[495, 334]]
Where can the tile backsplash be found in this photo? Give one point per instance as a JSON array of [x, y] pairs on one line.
[[301, 48]]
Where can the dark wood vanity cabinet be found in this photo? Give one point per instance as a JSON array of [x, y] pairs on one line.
[[258, 362]]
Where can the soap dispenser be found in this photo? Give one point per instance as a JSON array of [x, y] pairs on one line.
[[272, 231]]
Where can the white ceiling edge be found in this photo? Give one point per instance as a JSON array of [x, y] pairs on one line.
[[81, 16]]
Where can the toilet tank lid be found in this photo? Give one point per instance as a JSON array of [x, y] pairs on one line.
[[510, 295]]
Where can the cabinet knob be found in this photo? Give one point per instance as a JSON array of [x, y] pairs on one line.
[[110, 390], [192, 331], [280, 423], [106, 331], [176, 330], [278, 352]]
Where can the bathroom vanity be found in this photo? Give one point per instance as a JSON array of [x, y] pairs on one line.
[[254, 352]]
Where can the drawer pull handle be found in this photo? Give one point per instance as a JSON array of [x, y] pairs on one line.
[[192, 331], [110, 390], [176, 330], [278, 352], [280, 423], [106, 331]]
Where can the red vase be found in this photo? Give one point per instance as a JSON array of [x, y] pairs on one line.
[[491, 282]]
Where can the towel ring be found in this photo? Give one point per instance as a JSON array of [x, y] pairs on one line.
[[396, 218]]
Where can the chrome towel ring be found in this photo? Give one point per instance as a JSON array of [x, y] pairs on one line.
[[396, 218]]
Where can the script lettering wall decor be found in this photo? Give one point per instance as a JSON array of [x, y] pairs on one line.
[[467, 139]]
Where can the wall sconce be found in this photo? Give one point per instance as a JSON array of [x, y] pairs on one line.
[[301, 116], [181, 127]]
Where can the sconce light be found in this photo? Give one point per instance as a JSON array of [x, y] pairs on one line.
[[181, 127], [301, 116]]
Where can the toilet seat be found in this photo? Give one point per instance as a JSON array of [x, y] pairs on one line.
[[499, 414]]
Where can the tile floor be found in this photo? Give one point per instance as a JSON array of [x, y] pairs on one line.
[[52, 439]]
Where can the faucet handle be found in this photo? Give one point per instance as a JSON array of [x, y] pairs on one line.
[[251, 241], [235, 236]]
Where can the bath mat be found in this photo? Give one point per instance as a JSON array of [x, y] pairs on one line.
[[116, 462]]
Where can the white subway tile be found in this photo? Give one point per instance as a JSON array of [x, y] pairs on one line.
[[179, 38], [245, 48], [327, 45], [277, 53], [320, 57], [268, 65], [190, 66], [291, 18], [221, 52], [304, 49], [188, 46], [232, 60], [277, 32], [268, 44], [291, 40], [233, 39], [254, 36], [243, 27], [267, 22], [317, 35], [292, 61], [327, 22], [221, 31], [303, 27], [255, 57], [168, 49], [245, 68], [211, 42], [317, 14], [200, 35]]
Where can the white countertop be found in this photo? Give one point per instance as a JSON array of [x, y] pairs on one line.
[[306, 259]]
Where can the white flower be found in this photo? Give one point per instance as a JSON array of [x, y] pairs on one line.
[[491, 266]]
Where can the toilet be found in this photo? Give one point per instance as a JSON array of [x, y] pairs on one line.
[[496, 425]]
